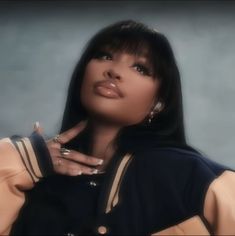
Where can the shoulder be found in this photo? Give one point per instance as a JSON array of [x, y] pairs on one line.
[[179, 174], [181, 168], [178, 159]]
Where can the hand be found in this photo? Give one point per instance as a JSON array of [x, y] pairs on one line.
[[70, 162]]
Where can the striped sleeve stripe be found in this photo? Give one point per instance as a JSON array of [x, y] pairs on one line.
[[21, 151], [113, 195], [116, 195], [29, 158], [33, 161]]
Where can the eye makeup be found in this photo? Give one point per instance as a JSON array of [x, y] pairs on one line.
[[143, 67]]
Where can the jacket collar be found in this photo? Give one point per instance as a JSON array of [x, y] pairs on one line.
[[114, 173]]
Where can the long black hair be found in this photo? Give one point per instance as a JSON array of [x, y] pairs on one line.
[[167, 127]]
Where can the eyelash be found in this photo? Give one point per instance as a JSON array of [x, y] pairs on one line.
[[99, 55], [144, 69]]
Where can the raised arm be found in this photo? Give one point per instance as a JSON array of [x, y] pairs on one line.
[[23, 162]]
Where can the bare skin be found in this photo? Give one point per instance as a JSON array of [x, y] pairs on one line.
[[102, 146], [75, 163], [108, 115]]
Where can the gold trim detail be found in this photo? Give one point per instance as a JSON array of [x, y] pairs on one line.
[[25, 160], [114, 193], [29, 158], [33, 158]]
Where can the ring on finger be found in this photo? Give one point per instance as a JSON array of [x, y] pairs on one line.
[[56, 139], [64, 152]]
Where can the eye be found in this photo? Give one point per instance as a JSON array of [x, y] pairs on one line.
[[142, 69], [102, 55]]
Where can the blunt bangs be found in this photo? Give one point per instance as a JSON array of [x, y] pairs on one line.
[[167, 128], [132, 39]]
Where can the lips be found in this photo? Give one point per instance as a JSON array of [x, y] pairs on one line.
[[110, 86]]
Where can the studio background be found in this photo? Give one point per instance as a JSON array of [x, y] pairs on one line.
[[40, 43]]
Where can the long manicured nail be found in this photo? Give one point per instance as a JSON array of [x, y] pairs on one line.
[[36, 125], [95, 171], [100, 162]]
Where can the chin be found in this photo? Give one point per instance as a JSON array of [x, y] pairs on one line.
[[111, 117]]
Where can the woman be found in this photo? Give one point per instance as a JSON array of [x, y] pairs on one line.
[[127, 169]]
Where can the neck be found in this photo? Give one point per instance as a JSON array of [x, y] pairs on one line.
[[103, 141]]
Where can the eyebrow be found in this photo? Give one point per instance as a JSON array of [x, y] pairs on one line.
[[144, 56], [141, 54]]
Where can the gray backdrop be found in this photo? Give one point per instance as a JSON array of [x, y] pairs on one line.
[[40, 43]]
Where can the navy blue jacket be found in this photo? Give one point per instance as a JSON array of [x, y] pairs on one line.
[[160, 190]]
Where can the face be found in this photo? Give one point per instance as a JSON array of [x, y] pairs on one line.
[[119, 87]]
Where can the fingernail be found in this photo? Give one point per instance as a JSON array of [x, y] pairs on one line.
[[79, 172], [100, 162], [36, 125], [95, 171]]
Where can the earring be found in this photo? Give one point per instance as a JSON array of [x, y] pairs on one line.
[[155, 110]]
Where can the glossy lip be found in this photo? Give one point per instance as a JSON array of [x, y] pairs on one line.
[[110, 85]]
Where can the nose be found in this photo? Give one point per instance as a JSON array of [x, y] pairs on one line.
[[111, 74]]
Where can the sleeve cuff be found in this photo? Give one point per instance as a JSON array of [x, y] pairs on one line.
[[42, 154], [35, 155]]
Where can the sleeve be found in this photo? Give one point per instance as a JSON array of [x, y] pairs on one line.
[[219, 205], [23, 162]]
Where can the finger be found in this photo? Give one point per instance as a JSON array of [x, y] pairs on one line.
[[37, 128], [66, 167], [73, 132], [78, 157], [88, 170], [52, 144]]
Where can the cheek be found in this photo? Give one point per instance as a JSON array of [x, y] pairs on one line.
[[140, 101], [93, 72], [91, 75]]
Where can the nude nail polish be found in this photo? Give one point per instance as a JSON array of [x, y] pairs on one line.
[[100, 162], [36, 125], [95, 171]]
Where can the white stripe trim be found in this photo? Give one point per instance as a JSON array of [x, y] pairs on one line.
[[116, 181], [32, 157], [26, 162]]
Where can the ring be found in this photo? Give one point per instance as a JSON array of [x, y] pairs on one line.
[[59, 162], [64, 152], [56, 139]]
